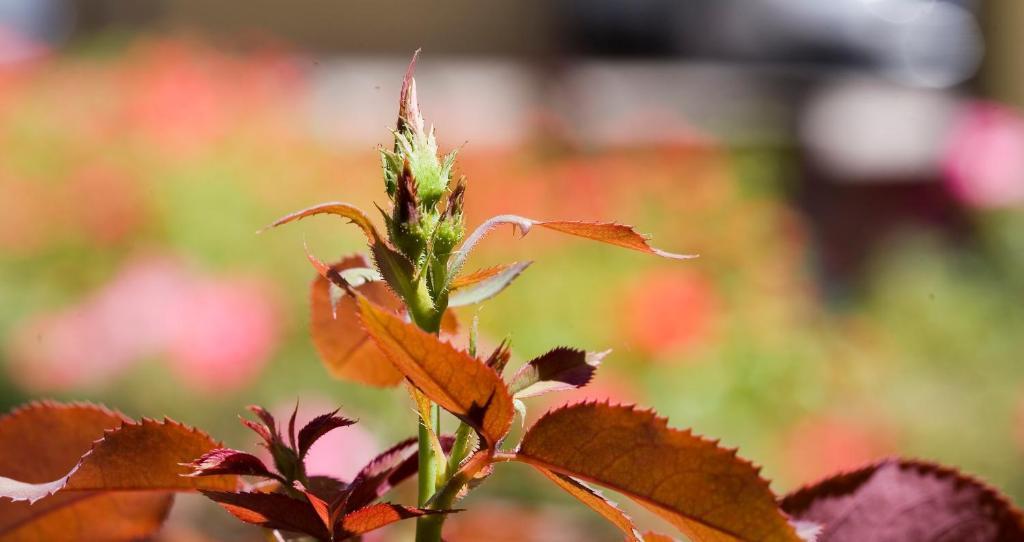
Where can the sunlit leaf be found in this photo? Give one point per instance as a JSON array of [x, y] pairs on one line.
[[376, 516], [606, 232], [702, 489], [227, 461], [344, 347], [272, 511], [318, 427], [337, 208], [560, 369], [896, 500], [100, 465], [484, 288], [461, 384], [609, 510]]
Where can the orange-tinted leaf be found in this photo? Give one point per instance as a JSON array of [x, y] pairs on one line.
[[906, 500], [48, 447], [657, 537], [272, 511], [344, 347], [43, 441], [461, 384], [611, 233], [705, 491], [344, 210], [488, 287], [480, 275], [609, 510], [607, 232], [227, 461], [374, 517]]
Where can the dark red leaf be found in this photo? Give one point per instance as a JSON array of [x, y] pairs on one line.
[[387, 470], [318, 427], [499, 358], [903, 500], [376, 516], [272, 511], [560, 369], [228, 461]]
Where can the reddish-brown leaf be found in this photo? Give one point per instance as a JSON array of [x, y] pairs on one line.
[[228, 461], [898, 500], [461, 384], [480, 275], [374, 517], [272, 511], [344, 346], [486, 287], [387, 470], [122, 481], [705, 491], [318, 427], [609, 232], [559, 369], [337, 208], [609, 510]]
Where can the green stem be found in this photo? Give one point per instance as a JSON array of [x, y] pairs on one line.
[[428, 318], [459, 448]]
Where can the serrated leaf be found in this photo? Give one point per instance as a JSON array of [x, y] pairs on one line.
[[704, 490], [559, 369], [484, 288], [898, 500], [376, 516], [461, 384], [227, 461], [345, 349], [337, 208], [318, 427], [387, 470], [272, 511], [122, 482], [598, 503], [606, 232], [396, 269]]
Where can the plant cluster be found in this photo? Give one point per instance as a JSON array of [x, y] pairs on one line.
[[386, 320]]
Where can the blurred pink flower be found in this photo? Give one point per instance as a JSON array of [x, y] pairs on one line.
[[668, 311], [983, 163], [821, 446], [225, 333], [218, 333], [340, 453]]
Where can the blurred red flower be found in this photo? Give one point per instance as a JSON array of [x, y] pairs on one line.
[[670, 311], [821, 446]]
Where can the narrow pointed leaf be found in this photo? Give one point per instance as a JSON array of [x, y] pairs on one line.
[[486, 288], [337, 208], [396, 269], [387, 470], [478, 276], [606, 232], [318, 427], [374, 517], [461, 384], [227, 461], [702, 489], [609, 510], [560, 369], [345, 348], [898, 499], [272, 511]]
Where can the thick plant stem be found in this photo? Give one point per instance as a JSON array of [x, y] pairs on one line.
[[428, 318]]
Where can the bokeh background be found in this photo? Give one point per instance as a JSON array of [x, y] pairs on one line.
[[851, 172]]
